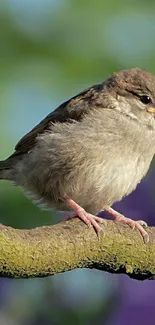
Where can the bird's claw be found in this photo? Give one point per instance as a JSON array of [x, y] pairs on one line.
[[132, 223], [87, 218]]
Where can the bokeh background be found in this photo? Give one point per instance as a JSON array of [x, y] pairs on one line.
[[49, 51]]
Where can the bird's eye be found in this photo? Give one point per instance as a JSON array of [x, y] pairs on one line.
[[145, 99]]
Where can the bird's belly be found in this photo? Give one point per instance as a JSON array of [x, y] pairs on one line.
[[93, 186], [104, 187], [112, 185], [124, 179]]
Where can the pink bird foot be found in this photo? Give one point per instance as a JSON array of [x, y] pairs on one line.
[[133, 224], [86, 217]]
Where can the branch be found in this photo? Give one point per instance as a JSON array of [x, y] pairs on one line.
[[68, 245]]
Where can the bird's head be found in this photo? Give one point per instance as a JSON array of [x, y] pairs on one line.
[[132, 93]]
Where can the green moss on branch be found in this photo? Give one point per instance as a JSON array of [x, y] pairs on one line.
[[68, 245]]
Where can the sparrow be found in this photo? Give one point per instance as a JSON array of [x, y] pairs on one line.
[[91, 151]]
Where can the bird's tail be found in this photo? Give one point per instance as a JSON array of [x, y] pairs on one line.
[[4, 169]]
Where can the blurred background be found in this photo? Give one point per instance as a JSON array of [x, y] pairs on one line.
[[49, 51]]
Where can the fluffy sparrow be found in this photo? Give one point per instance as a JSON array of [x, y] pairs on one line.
[[91, 151]]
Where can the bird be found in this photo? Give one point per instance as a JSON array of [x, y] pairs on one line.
[[91, 151]]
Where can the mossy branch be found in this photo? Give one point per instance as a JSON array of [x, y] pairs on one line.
[[68, 245]]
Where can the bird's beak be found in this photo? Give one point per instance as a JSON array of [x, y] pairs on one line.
[[151, 110]]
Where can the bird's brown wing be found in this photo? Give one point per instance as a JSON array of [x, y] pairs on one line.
[[73, 109]]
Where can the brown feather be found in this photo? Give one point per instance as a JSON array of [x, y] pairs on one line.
[[73, 109]]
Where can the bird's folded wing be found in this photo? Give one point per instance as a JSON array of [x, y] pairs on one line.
[[73, 109]]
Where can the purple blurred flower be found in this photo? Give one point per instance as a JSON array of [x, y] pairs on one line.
[[137, 299]]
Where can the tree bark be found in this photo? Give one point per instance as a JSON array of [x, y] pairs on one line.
[[45, 251]]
